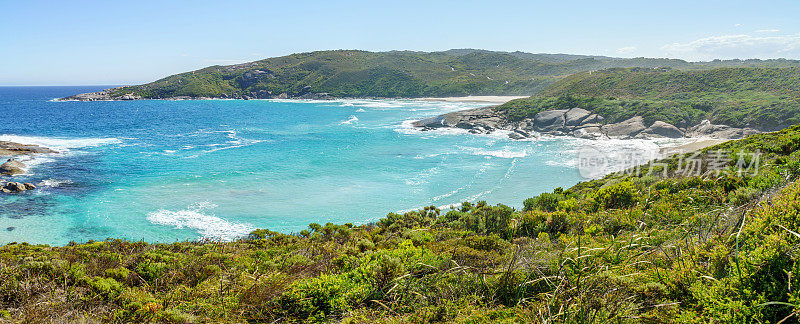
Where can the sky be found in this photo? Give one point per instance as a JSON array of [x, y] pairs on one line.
[[131, 42]]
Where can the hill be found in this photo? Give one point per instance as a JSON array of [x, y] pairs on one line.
[[765, 99], [395, 74], [713, 241]]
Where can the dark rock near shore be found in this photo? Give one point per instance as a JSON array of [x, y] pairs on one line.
[[480, 120], [625, 129], [11, 149], [12, 167], [575, 122], [707, 129], [661, 129], [15, 187], [550, 120], [576, 116]]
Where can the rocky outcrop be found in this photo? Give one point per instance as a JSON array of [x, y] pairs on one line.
[[575, 122], [477, 120], [104, 95], [115, 94], [661, 129], [316, 96], [12, 149], [576, 116], [12, 167], [591, 132], [550, 121], [16, 187], [625, 129], [707, 129]]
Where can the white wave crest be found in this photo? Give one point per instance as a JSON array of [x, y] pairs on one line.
[[198, 217], [407, 128], [504, 153], [58, 143], [54, 183], [351, 120]]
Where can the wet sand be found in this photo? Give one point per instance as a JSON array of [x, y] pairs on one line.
[[691, 147]]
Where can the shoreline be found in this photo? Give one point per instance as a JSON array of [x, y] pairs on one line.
[[575, 122], [13, 167], [486, 99], [105, 95]]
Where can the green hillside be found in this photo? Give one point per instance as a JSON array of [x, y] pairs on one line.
[[761, 98], [350, 73], [718, 245], [678, 84]]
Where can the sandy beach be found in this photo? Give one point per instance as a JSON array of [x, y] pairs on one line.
[[700, 144], [487, 99]]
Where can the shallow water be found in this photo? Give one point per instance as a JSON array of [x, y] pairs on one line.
[[177, 170]]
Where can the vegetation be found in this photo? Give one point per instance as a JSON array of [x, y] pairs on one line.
[[719, 246], [350, 73], [766, 99]]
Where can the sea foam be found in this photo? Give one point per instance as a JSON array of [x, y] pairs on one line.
[[57, 143], [198, 217], [352, 119]]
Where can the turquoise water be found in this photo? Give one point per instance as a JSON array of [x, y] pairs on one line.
[[176, 170]]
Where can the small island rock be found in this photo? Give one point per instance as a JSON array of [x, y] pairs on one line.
[[12, 167]]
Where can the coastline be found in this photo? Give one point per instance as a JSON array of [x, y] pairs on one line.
[[472, 99], [486, 99], [109, 95], [575, 122], [14, 167], [411, 103]]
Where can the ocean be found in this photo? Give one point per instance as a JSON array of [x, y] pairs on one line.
[[165, 171]]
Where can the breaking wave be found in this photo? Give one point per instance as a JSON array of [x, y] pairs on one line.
[[199, 218]]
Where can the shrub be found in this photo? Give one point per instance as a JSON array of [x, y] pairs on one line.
[[545, 201], [618, 195], [106, 287], [532, 223], [743, 195]]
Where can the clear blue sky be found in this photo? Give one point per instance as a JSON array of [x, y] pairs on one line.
[[129, 42]]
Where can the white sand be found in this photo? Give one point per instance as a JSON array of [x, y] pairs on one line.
[[488, 99], [700, 144]]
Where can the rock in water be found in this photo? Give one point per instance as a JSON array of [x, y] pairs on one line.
[[29, 186], [11, 148], [12, 167], [433, 122], [15, 187]]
